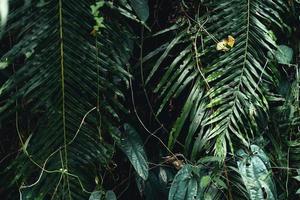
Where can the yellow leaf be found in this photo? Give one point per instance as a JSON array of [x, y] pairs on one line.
[[222, 46], [226, 44], [230, 41]]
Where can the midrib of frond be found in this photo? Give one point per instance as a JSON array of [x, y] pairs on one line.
[[243, 68], [62, 67]]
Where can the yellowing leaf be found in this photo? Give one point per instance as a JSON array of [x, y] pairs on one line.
[[226, 44], [230, 41], [222, 46]]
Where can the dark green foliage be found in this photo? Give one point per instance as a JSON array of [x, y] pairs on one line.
[[178, 100], [141, 8], [74, 86], [193, 182], [131, 144]]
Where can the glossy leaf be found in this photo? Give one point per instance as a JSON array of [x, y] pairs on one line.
[[141, 8], [284, 55], [192, 183], [132, 145], [254, 168], [110, 195], [96, 195]]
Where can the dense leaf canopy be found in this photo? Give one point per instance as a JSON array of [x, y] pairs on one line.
[[140, 99]]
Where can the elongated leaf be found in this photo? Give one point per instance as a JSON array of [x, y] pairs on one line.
[[132, 145], [152, 188], [66, 74], [234, 84], [3, 12]]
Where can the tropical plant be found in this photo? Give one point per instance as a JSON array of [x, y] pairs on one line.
[[71, 91], [202, 97]]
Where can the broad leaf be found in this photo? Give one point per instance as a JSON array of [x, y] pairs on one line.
[[192, 183], [141, 8], [110, 195], [284, 54], [254, 168], [96, 195]]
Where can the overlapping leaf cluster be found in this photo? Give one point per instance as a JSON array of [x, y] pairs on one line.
[[228, 94], [72, 86], [69, 73]]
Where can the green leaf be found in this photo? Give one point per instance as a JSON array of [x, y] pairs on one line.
[[187, 185], [27, 195], [4, 64], [152, 188], [297, 178], [95, 10], [132, 145], [110, 195], [255, 173], [63, 92], [179, 187], [141, 8], [96, 195], [205, 180], [24, 147], [284, 55], [165, 176], [3, 12]]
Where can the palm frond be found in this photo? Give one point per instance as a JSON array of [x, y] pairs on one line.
[[240, 78], [74, 85], [232, 85]]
